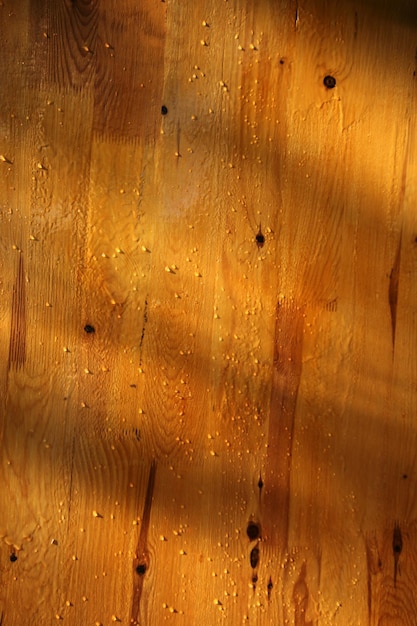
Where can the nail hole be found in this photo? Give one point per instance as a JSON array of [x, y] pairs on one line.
[[141, 569], [89, 329], [281, 61], [260, 482], [13, 558], [260, 239], [252, 531], [329, 82], [164, 110]]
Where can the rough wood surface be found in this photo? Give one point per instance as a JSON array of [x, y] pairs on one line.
[[208, 264]]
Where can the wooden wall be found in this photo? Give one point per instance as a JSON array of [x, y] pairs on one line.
[[200, 428]]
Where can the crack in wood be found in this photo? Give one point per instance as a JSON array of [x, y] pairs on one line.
[[142, 336]]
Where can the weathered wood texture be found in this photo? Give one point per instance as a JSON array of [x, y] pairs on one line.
[[208, 317]]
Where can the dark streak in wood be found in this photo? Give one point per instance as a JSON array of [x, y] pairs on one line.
[[286, 379], [17, 345], [393, 290], [395, 272], [369, 561], [374, 567], [178, 142], [142, 336], [397, 546], [260, 484], [254, 558], [269, 588], [141, 559], [300, 598]]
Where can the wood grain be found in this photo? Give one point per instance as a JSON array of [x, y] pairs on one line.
[[208, 267]]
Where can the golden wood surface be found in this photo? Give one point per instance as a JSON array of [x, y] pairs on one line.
[[198, 427]]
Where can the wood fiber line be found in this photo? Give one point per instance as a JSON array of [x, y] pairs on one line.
[[141, 560], [17, 345]]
